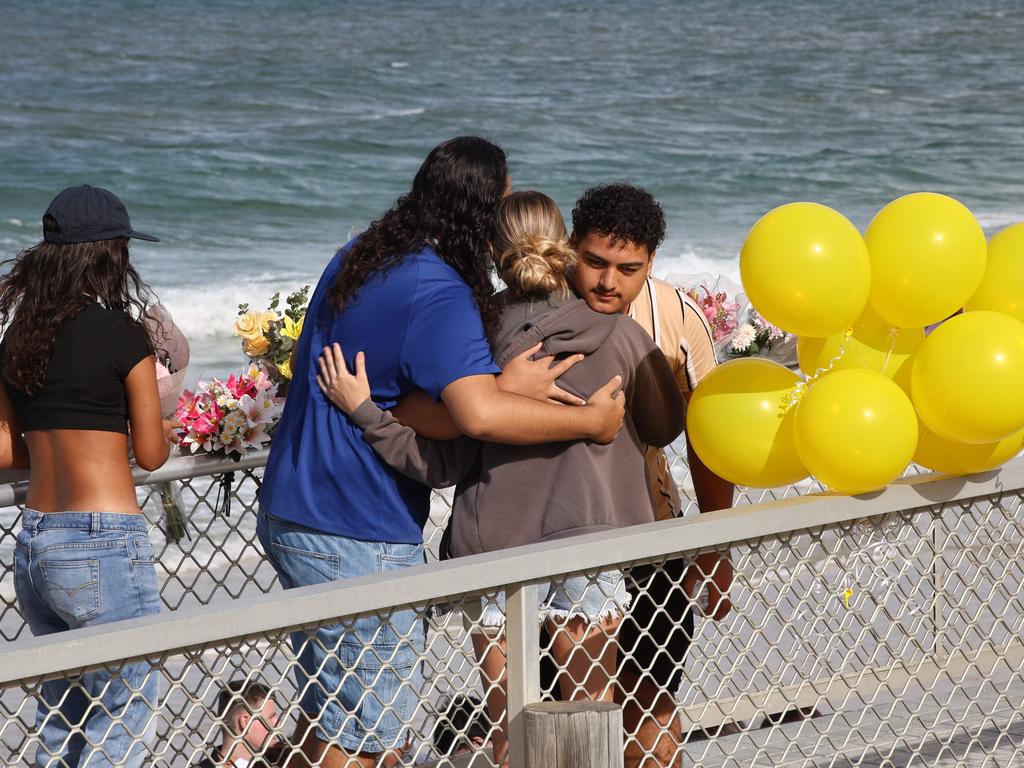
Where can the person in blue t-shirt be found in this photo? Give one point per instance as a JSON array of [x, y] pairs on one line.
[[414, 294]]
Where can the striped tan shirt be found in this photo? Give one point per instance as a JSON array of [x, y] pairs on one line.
[[682, 332]]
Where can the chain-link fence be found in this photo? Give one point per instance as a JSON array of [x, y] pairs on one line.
[[201, 515], [870, 631], [201, 519]]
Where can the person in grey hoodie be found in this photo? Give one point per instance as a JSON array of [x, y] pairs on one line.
[[508, 495]]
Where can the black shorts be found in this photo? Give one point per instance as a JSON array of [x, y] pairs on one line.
[[656, 632], [654, 635]]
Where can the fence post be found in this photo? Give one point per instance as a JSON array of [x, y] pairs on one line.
[[523, 637], [573, 734]]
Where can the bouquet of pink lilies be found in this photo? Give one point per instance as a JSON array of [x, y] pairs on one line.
[[229, 417], [737, 329]]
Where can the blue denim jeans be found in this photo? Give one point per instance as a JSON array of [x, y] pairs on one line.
[[359, 679], [80, 569]]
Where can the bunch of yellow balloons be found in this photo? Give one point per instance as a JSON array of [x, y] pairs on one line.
[[880, 392]]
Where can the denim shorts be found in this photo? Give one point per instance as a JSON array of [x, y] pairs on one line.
[[593, 598], [359, 680], [80, 569]]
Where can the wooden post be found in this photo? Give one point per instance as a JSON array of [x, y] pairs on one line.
[[573, 734]]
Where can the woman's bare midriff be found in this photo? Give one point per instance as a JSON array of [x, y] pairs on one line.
[[77, 470]]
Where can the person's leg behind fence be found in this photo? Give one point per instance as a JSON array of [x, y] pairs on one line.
[[582, 615], [653, 641]]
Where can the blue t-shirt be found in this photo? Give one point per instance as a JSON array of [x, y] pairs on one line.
[[420, 329]]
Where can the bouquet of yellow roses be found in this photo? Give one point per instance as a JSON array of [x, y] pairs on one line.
[[269, 335]]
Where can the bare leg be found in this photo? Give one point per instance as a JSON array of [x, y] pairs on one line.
[[588, 654], [650, 717], [492, 655]]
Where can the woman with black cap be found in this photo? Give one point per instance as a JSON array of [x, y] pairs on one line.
[[79, 383]]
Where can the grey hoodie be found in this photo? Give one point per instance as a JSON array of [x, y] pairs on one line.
[[508, 495]]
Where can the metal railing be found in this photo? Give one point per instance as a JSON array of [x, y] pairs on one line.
[[880, 628], [200, 512], [201, 519]]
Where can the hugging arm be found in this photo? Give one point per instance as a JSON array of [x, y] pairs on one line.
[[522, 375], [657, 408], [434, 463], [428, 417], [480, 409], [712, 491]]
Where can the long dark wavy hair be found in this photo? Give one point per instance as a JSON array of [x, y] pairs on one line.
[[451, 206], [46, 285]]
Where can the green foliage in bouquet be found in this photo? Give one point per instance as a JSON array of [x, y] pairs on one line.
[[268, 336]]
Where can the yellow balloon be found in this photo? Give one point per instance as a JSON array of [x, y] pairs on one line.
[[927, 259], [855, 430], [903, 374], [955, 458], [968, 378], [738, 425], [873, 344], [1002, 287], [806, 269]]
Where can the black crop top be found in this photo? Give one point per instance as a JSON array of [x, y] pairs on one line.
[[94, 352]]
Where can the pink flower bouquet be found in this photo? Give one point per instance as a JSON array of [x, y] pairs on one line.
[[721, 313], [229, 417], [737, 329]]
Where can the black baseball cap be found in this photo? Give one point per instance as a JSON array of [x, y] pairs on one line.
[[86, 214]]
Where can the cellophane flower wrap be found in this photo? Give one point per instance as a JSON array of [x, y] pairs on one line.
[[736, 327], [230, 417], [268, 336]]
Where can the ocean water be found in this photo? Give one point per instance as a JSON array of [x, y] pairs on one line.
[[254, 137]]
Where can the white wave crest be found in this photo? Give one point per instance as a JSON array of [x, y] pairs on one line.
[[412, 112], [993, 221], [208, 312], [690, 260]]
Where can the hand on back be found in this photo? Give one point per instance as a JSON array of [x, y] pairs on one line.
[[347, 391], [536, 378], [609, 408]]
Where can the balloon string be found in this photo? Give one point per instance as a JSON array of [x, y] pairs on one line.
[[792, 398], [894, 335], [860, 353]]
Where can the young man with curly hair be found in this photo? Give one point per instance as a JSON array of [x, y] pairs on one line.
[[617, 229]]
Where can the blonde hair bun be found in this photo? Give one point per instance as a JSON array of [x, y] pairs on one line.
[[534, 256]]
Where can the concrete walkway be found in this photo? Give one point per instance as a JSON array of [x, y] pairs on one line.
[[980, 729]]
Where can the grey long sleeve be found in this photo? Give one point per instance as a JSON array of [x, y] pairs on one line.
[[657, 407], [434, 463]]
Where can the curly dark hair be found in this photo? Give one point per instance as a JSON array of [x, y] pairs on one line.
[[46, 285], [622, 211], [452, 207]]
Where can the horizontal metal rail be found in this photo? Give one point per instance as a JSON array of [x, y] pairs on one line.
[[15, 484], [261, 614]]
